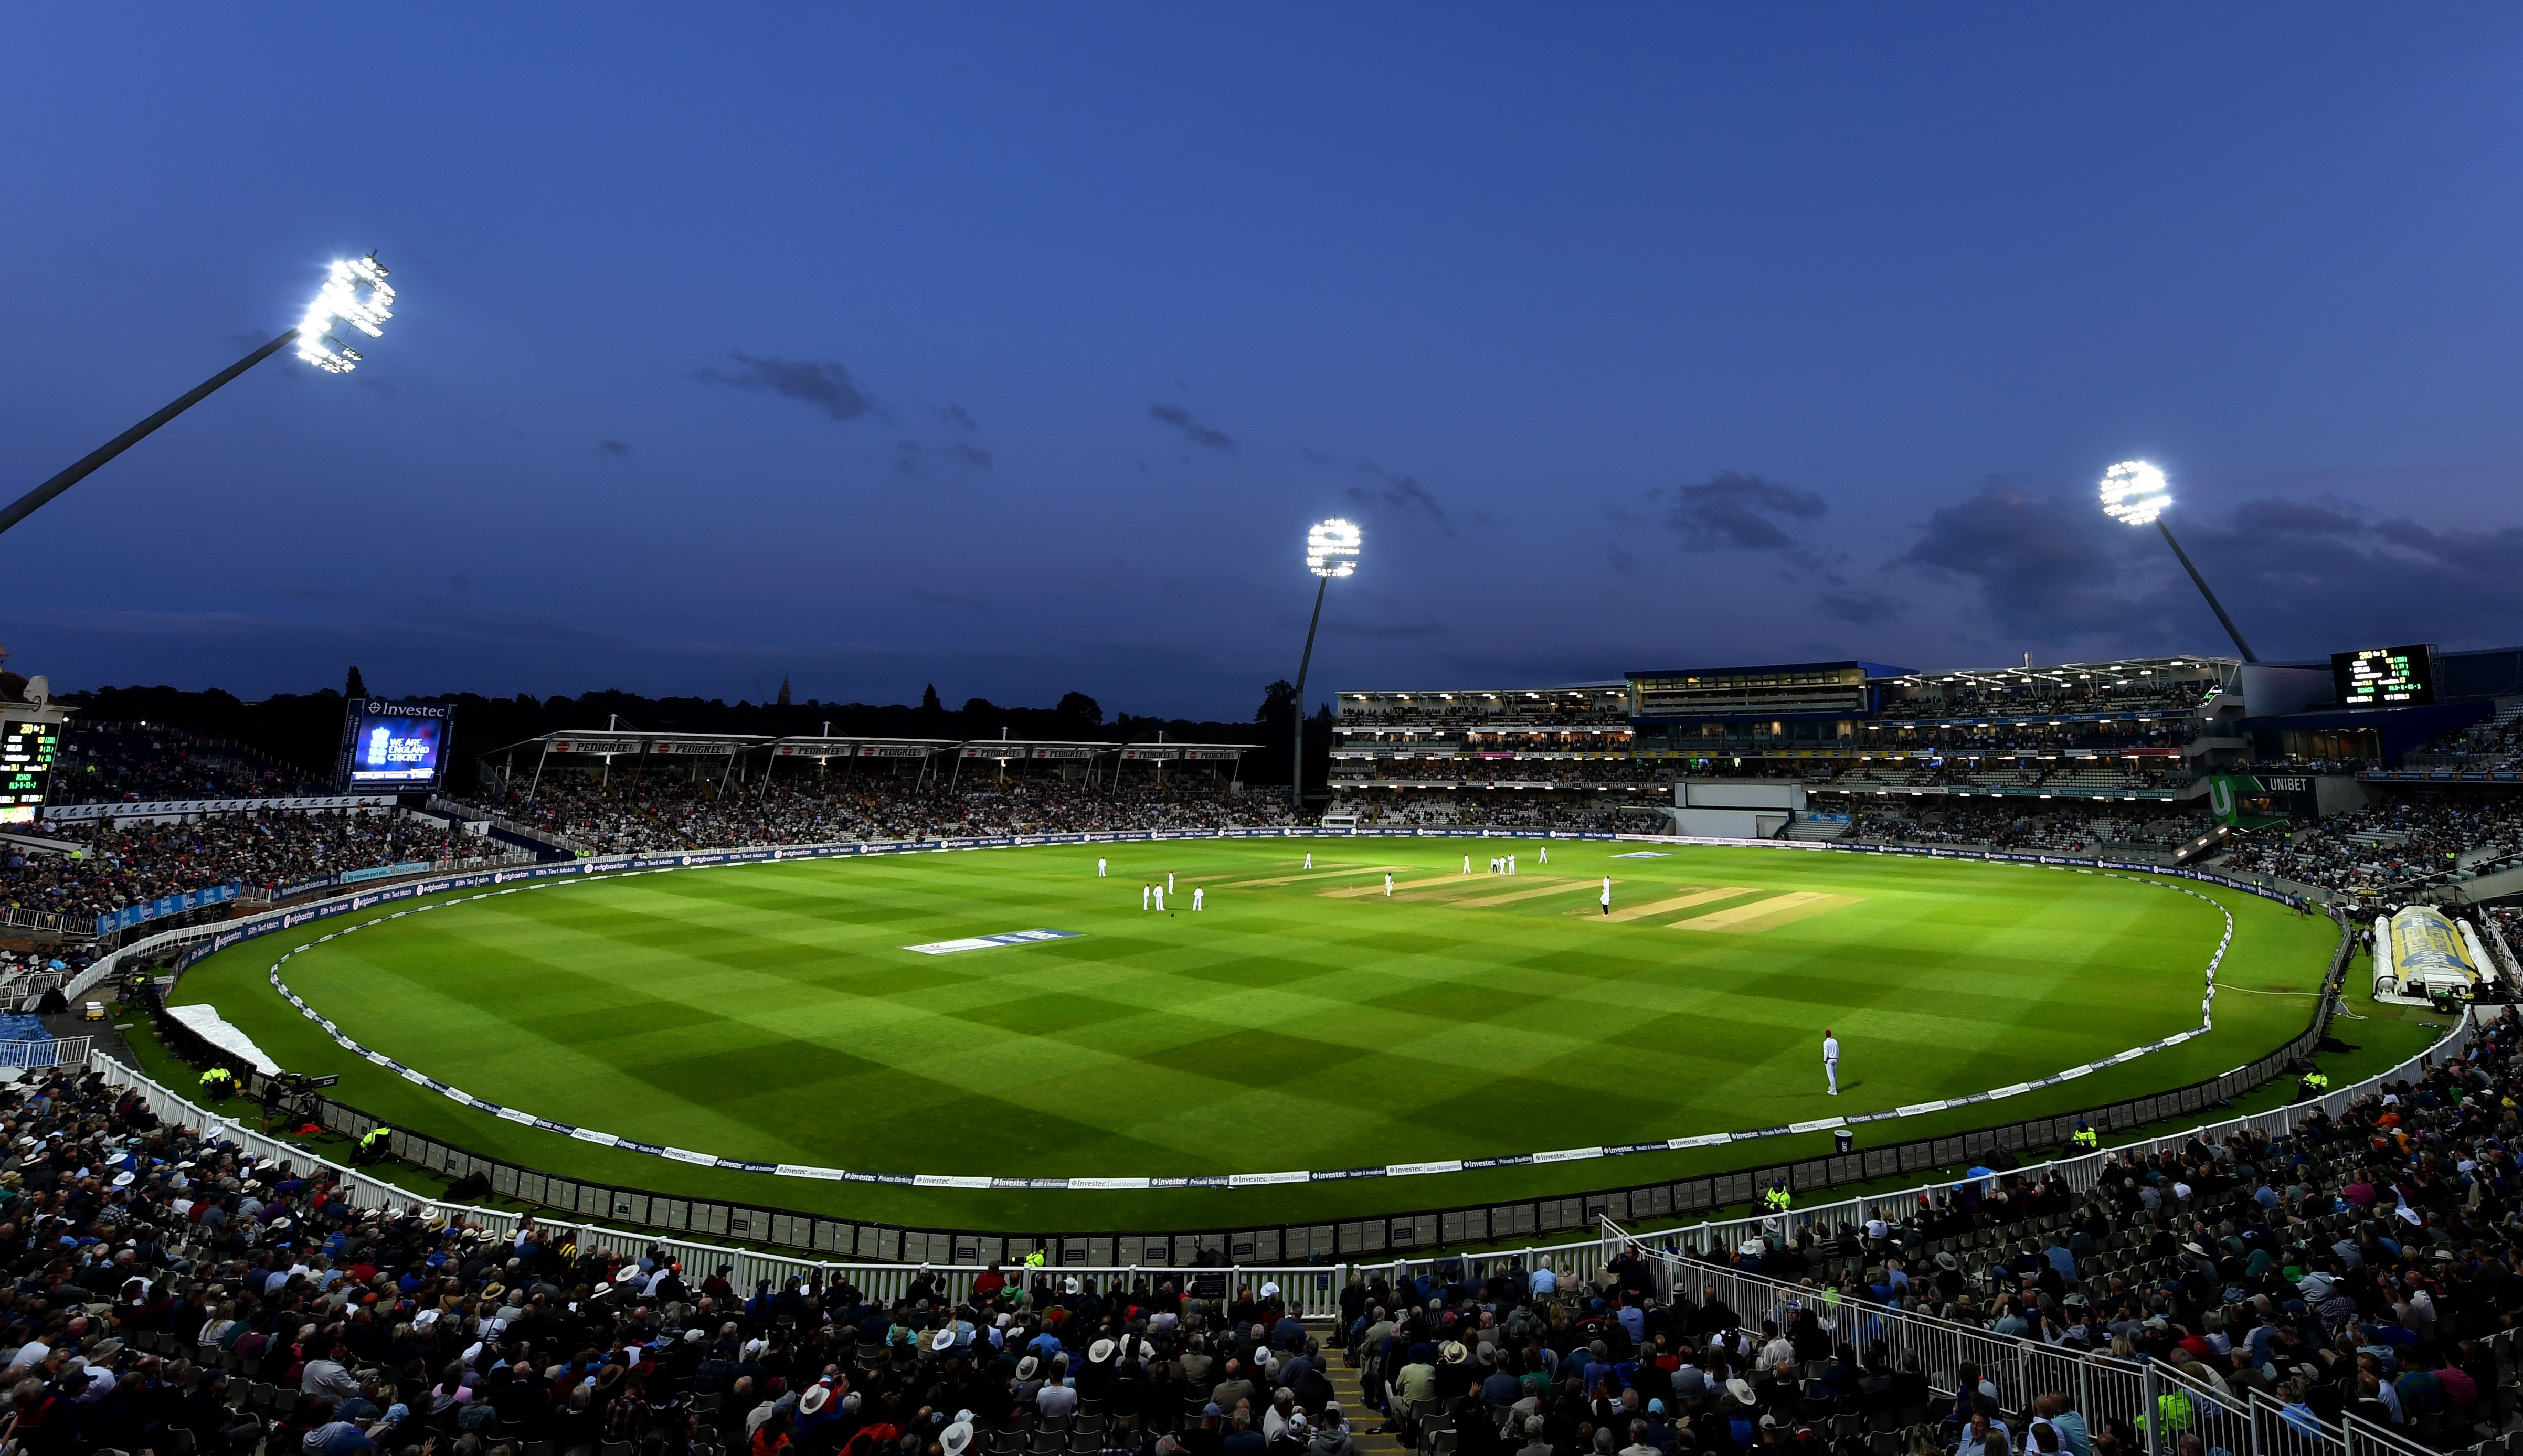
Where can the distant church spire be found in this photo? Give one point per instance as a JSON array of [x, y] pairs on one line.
[[783, 689]]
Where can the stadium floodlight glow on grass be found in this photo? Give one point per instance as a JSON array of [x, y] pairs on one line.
[[2134, 493], [354, 292], [1331, 551]]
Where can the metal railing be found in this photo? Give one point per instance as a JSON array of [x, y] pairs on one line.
[[44, 1052], [2158, 1402]]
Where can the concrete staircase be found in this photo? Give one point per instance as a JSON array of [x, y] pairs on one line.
[[1362, 1419]]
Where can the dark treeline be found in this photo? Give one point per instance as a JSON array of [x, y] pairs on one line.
[[305, 729]]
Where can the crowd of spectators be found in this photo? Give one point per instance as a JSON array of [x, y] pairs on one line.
[[2491, 743], [1474, 768], [1496, 810], [632, 812], [2149, 826], [2397, 846], [2357, 1263], [108, 866], [2149, 690], [169, 1294], [120, 762]]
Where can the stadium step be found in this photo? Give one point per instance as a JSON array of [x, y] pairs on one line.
[[1362, 1419]]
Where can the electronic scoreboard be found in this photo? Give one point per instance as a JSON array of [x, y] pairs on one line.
[[2384, 676]]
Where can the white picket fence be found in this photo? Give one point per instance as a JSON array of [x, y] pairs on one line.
[[44, 1052]]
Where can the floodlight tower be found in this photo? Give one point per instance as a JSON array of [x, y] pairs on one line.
[[1331, 551], [2133, 494], [355, 293]]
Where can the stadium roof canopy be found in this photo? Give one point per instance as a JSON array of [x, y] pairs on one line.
[[822, 747], [1006, 749], [613, 744], [1615, 686], [1871, 669]]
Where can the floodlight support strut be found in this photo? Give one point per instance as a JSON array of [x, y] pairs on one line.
[[28, 504], [1296, 755], [2201, 581]]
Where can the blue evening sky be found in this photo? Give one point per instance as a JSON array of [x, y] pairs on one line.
[[1013, 347]]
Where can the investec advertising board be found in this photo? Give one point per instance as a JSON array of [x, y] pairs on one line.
[[396, 747]]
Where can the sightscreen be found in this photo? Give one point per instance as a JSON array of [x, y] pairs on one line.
[[394, 747], [26, 749], [2384, 676]]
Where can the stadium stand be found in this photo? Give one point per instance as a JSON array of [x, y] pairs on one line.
[[121, 763], [2400, 847], [116, 866], [171, 1296], [632, 812]]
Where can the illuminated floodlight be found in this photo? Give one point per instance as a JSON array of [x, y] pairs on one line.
[[2133, 494], [1331, 549], [355, 293], [342, 302]]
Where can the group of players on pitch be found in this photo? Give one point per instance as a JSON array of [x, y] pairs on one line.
[[1152, 896]]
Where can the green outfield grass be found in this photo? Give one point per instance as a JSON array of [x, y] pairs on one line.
[[771, 1012]]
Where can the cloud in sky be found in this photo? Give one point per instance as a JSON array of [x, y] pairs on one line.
[[1192, 428], [2038, 564], [1402, 493], [823, 383], [1732, 512]]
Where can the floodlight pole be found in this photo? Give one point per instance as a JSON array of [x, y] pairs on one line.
[[1296, 755], [2214, 604], [25, 505]]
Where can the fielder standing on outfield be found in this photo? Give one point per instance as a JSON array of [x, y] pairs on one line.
[[1607, 894], [1830, 1060], [1388, 884], [1309, 858], [1099, 868], [1144, 888], [1197, 891]]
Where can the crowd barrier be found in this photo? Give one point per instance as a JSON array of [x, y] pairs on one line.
[[2161, 1405], [41, 1051], [1244, 1243]]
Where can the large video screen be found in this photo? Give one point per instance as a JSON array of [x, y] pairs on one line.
[[2384, 676], [26, 750], [396, 747]]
